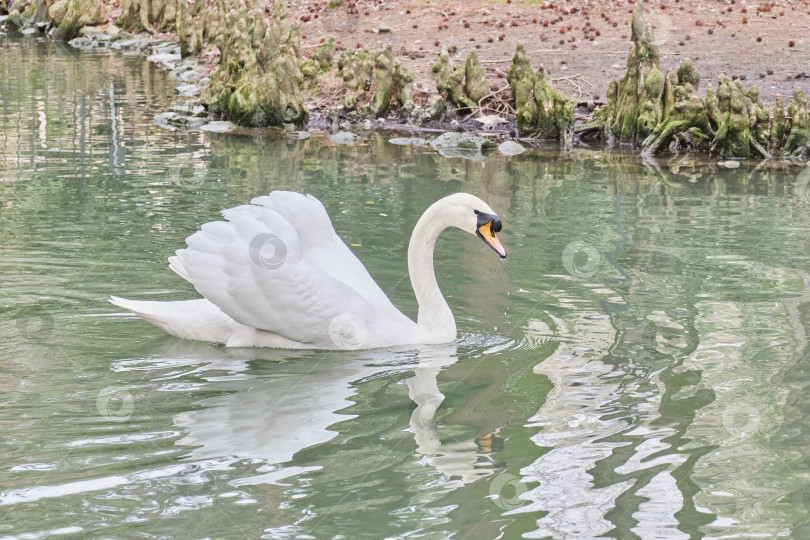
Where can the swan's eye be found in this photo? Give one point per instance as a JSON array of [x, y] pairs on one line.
[[475, 212]]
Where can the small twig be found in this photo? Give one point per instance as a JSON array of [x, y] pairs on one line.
[[555, 79]]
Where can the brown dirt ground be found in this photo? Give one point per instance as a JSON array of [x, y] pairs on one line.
[[582, 44]]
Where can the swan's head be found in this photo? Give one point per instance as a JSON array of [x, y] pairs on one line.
[[471, 214]]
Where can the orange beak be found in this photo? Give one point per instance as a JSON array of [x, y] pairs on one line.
[[486, 234]]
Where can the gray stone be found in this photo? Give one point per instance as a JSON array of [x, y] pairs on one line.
[[343, 137], [135, 44], [165, 119], [189, 108], [163, 58], [189, 122], [462, 140], [511, 148], [188, 89]]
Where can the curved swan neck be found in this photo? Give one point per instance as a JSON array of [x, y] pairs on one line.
[[434, 313]]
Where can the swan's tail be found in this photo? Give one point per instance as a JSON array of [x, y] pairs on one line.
[[187, 319]]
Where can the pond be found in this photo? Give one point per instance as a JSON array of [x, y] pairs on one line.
[[637, 368]]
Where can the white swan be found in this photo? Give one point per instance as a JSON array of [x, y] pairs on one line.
[[275, 274]]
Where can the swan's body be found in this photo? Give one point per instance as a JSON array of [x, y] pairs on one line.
[[275, 274]]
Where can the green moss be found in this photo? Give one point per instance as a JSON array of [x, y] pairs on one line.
[[476, 84], [798, 140], [450, 82], [325, 54], [361, 70], [541, 111], [79, 13], [384, 82], [258, 79], [356, 68]]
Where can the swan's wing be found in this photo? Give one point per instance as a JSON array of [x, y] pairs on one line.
[[278, 265], [321, 244]]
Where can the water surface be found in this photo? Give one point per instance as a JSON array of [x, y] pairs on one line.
[[637, 368]]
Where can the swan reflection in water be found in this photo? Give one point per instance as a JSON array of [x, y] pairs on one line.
[[271, 411]]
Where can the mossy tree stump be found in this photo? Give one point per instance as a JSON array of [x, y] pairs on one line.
[[466, 86], [78, 14], [363, 70], [258, 78], [541, 112], [648, 109], [149, 15]]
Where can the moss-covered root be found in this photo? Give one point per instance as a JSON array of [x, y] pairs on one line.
[[637, 104], [450, 82], [321, 62], [391, 80], [325, 54], [675, 116], [361, 70], [26, 13], [686, 125], [257, 81], [541, 111], [203, 22], [79, 13], [798, 139], [140, 14], [356, 68], [740, 121], [476, 84]]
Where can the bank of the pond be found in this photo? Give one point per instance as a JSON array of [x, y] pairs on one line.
[[464, 66]]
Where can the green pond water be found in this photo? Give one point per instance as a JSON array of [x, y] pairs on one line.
[[637, 368]]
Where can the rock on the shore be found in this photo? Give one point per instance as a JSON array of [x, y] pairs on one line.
[[173, 120], [462, 145], [511, 148], [462, 140]]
